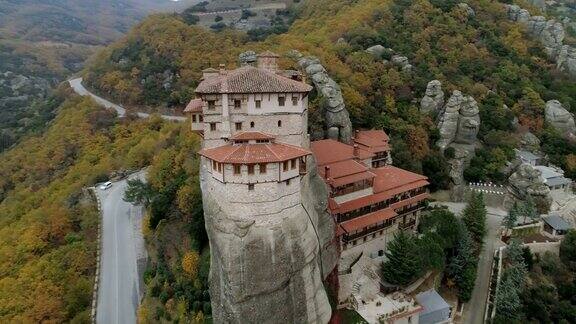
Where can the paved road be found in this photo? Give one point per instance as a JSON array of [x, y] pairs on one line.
[[77, 86], [122, 251], [474, 309]]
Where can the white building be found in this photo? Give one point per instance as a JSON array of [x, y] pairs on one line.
[[554, 178]]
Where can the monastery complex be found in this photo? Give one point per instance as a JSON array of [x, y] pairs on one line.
[[256, 152]]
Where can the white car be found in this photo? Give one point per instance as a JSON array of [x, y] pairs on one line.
[[106, 185]]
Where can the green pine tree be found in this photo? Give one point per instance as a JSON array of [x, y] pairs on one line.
[[529, 209], [463, 266], [474, 217], [510, 220], [508, 303], [404, 263]]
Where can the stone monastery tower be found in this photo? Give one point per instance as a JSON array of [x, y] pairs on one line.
[[265, 207]]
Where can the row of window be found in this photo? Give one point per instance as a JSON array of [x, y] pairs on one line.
[[238, 103], [286, 165], [238, 126], [251, 185]]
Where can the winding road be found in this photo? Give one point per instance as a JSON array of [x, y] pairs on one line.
[[123, 256], [79, 88]]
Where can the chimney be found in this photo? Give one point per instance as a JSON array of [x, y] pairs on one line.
[[222, 68], [268, 61], [327, 172]]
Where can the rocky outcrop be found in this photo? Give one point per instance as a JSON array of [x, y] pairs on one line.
[[377, 51], [433, 99], [469, 11], [402, 62], [560, 118], [337, 119], [269, 268], [459, 124], [247, 58], [550, 33], [527, 181], [530, 142]]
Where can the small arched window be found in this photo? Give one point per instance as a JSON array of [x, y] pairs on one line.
[[279, 123], [251, 124]]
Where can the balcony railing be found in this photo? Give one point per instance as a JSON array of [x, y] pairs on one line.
[[368, 231], [408, 224]]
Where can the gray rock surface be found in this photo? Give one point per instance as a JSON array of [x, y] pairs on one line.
[[526, 181], [459, 124], [560, 118], [269, 268], [336, 115], [530, 142], [433, 99], [247, 58], [467, 8], [377, 50], [550, 33]]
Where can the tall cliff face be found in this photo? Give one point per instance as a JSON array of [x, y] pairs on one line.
[[269, 268]]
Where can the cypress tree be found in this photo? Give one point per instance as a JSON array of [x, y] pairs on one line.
[[403, 264], [475, 217], [463, 266], [511, 218], [529, 209]]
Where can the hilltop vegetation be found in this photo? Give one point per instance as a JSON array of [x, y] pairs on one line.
[[484, 55], [48, 223], [43, 42]]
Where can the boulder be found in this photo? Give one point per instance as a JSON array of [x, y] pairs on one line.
[[530, 142], [469, 11], [272, 263], [399, 60], [560, 118], [527, 181], [433, 99], [377, 51]]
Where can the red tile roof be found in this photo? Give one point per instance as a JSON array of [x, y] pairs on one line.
[[195, 105], [251, 136], [254, 153], [249, 79], [359, 223], [342, 169], [372, 140], [329, 151], [390, 177]]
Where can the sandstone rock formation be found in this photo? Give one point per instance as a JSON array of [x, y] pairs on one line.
[[291, 252], [526, 181], [433, 99], [551, 34], [530, 142], [402, 62], [560, 118], [338, 124], [459, 124]]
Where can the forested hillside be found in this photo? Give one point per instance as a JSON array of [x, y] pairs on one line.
[[483, 55], [48, 223], [43, 42]]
